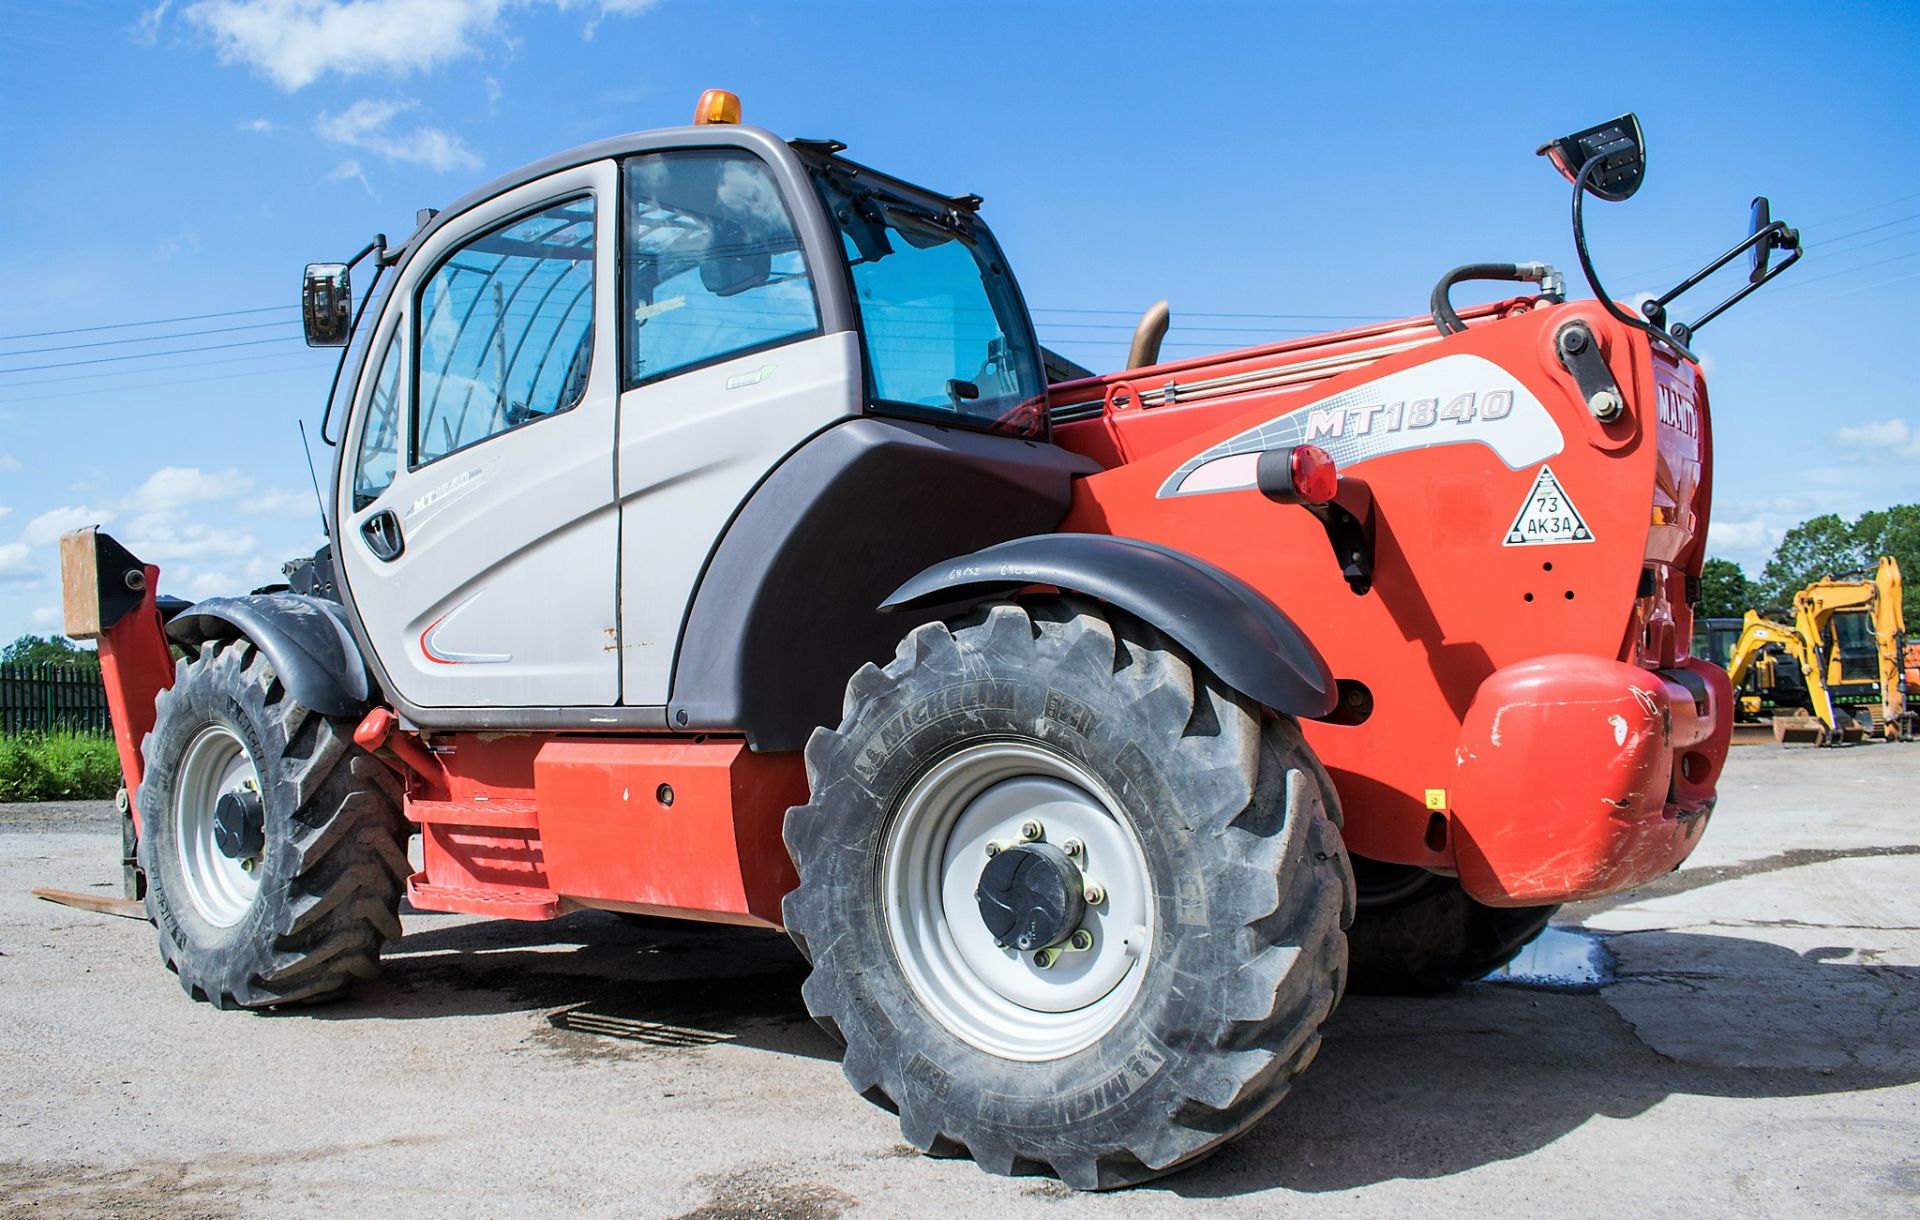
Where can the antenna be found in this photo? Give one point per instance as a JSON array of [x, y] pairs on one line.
[[319, 500]]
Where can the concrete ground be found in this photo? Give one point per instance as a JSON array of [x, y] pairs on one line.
[[1759, 1053]]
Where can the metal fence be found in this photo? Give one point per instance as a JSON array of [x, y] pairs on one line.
[[46, 698]]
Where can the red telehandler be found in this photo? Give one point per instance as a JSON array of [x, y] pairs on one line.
[[711, 537]]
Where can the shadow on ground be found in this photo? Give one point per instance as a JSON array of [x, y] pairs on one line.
[[1423, 1088], [1403, 1088], [602, 985]]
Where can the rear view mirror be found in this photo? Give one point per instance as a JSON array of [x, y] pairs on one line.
[[1760, 217], [326, 304], [1615, 150], [725, 275]]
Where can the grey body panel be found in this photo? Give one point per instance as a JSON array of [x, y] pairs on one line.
[[1232, 629], [307, 640], [788, 607]]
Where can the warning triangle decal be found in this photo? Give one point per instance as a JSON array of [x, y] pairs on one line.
[[1547, 516]]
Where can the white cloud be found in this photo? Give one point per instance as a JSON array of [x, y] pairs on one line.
[[350, 171], [263, 127], [4, 510], [17, 565], [49, 616], [277, 503], [178, 486], [48, 526], [9, 462], [295, 42], [365, 125], [1878, 436], [146, 28]]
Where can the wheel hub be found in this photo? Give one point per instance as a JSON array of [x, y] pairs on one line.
[[956, 912], [1031, 896], [239, 824]]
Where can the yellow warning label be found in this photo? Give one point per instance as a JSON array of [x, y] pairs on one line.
[[1437, 799]]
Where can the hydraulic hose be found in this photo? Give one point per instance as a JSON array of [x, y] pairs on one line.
[[1449, 322]]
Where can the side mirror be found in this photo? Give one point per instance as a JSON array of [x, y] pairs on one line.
[[326, 304], [1760, 216], [1619, 148]]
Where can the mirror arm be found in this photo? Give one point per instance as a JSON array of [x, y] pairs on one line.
[[1777, 229], [380, 264], [1745, 290]]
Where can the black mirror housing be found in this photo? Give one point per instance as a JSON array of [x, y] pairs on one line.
[[1620, 148], [326, 304], [1760, 215]]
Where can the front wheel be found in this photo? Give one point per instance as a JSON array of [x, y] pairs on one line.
[[1070, 902], [272, 845]]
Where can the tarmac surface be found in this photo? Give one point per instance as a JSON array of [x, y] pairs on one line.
[[1753, 1048]]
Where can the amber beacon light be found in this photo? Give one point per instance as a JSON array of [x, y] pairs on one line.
[[717, 106]]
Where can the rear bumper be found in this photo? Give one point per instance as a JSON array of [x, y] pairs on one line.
[[1580, 776]]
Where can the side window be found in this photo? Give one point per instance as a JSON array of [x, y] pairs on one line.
[[505, 330], [374, 464], [711, 265]]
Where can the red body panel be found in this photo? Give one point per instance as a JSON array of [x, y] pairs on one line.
[[528, 826], [1455, 620]]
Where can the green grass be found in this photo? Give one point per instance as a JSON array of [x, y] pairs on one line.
[[58, 767]]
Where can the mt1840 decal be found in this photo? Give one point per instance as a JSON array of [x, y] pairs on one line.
[[1456, 400]]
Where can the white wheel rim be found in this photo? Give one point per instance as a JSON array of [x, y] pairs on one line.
[[993, 996], [221, 888]]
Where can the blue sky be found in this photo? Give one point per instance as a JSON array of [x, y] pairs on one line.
[[1270, 168]]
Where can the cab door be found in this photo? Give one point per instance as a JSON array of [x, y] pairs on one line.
[[728, 367], [478, 529]]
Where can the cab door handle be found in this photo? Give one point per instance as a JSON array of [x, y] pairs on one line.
[[382, 534]]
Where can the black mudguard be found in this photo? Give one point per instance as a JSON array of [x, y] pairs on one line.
[[1229, 627], [306, 639]]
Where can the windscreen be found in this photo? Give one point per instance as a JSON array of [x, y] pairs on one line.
[[947, 336]]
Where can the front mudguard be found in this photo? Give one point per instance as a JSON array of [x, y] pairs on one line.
[[306, 639], [1579, 776]]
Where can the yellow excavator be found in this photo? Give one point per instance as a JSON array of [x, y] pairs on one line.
[[1846, 642]]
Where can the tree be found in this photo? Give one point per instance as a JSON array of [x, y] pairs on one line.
[[44, 649], [1827, 544], [1894, 531], [1725, 591], [1810, 550]]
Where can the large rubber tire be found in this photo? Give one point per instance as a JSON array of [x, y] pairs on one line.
[[333, 865], [1422, 934], [1250, 891]]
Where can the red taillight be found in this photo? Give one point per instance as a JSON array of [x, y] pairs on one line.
[[1315, 478]]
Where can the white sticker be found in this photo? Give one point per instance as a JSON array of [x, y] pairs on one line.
[[1454, 400], [1547, 516]]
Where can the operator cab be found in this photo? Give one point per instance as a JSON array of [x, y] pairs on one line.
[[561, 390]]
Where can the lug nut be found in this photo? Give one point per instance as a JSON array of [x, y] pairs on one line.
[[1045, 958], [1031, 831], [1094, 894], [1080, 941], [1073, 847]]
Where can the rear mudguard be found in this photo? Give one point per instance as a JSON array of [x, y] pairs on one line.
[[1231, 629], [305, 639]]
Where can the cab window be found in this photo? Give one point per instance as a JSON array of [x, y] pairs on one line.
[[379, 450], [505, 331], [711, 266]]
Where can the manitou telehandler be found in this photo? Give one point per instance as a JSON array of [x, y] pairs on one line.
[[707, 540]]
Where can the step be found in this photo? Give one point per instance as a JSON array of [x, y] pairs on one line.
[[495, 902], [516, 814]]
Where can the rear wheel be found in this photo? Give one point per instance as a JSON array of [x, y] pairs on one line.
[[1419, 933], [1070, 902], [272, 845]]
